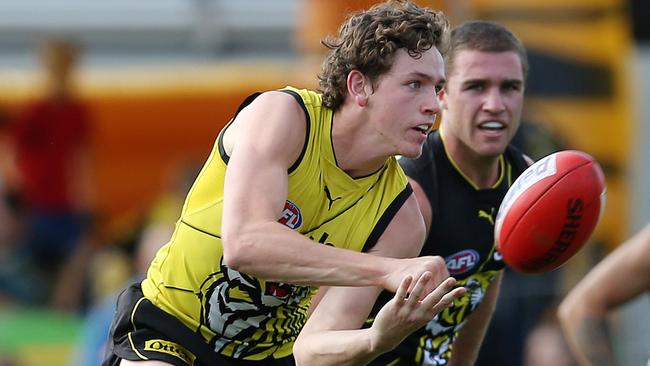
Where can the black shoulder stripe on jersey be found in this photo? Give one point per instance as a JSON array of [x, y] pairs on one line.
[[307, 121], [516, 158], [423, 170], [385, 219], [222, 151], [249, 100], [431, 189]]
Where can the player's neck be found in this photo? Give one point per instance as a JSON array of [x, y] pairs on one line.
[[481, 171], [355, 153]]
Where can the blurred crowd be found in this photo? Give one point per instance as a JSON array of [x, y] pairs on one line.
[[50, 254]]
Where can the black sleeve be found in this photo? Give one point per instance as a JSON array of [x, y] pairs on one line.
[[423, 170], [516, 158]]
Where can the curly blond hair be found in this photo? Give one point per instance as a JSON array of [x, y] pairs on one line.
[[367, 41]]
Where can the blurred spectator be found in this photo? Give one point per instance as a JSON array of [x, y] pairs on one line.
[[8, 221], [49, 141], [16, 283], [114, 268]]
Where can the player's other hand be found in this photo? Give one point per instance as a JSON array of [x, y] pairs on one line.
[[415, 267], [409, 311]]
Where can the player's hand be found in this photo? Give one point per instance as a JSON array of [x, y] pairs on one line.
[[415, 267], [407, 312]]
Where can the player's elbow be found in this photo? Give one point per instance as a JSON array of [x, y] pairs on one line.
[[570, 310], [564, 311], [237, 248], [300, 352]]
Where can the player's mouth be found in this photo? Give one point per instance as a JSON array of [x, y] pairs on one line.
[[424, 128], [493, 127]]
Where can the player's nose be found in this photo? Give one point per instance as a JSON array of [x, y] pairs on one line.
[[493, 102], [431, 107]]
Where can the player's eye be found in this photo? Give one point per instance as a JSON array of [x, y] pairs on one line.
[[415, 84], [475, 86], [512, 87]]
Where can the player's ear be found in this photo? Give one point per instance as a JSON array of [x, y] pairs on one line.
[[359, 87], [442, 96]]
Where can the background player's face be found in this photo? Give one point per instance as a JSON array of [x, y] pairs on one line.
[[482, 101], [404, 103]]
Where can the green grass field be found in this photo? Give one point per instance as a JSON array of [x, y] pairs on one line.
[[37, 337]]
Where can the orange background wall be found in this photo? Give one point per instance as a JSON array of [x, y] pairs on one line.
[[139, 141], [148, 124]]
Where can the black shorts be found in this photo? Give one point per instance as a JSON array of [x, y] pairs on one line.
[[142, 331]]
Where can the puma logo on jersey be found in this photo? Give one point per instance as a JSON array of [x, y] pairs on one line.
[[488, 216], [329, 198]]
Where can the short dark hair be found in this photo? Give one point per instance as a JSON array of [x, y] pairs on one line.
[[367, 41], [484, 36]]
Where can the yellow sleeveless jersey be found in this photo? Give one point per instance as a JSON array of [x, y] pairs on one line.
[[242, 316]]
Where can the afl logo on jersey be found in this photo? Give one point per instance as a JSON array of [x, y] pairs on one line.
[[462, 261], [291, 216]]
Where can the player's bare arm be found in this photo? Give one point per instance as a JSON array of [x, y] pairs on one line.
[[331, 337], [621, 276], [264, 141]]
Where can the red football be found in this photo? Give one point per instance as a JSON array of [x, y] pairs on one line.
[[550, 211]]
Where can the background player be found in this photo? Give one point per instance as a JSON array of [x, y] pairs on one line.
[[460, 180]]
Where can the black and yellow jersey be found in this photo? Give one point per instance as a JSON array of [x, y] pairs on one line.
[[462, 232], [245, 317]]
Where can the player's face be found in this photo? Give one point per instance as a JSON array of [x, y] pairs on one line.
[[482, 101], [404, 103]]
